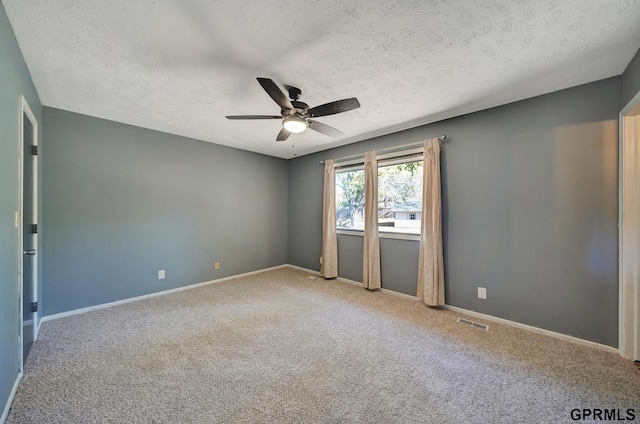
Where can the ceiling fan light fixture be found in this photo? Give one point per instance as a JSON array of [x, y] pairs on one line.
[[294, 124]]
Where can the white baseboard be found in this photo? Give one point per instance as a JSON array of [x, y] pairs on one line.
[[403, 295], [299, 268], [391, 292], [488, 317], [345, 280], [146, 296], [532, 329], [310, 271], [7, 406], [354, 282], [357, 283]]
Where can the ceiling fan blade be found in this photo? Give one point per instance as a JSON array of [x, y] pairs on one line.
[[283, 135], [253, 117], [324, 128], [332, 108], [276, 94]]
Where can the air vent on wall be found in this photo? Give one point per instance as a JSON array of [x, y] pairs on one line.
[[473, 324]]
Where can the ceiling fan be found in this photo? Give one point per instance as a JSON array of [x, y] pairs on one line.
[[296, 115]]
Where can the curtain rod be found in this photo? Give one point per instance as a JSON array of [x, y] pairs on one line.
[[443, 137]]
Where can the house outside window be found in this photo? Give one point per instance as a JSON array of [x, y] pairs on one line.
[[399, 196]]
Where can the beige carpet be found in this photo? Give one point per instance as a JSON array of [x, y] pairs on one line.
[[278, 347]]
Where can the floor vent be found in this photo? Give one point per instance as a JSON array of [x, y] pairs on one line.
[[314, 278], [473, 324]]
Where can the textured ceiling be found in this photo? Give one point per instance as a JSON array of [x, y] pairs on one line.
[[180, 66]]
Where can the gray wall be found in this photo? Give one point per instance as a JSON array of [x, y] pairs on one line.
[[529, 212], [631, 80], [121, 202], [14, 81], [398, 262]]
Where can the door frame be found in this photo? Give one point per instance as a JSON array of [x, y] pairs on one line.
[[629, 230], [24, 109]]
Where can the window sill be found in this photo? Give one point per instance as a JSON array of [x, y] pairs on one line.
[[381, 234], [399, 236]]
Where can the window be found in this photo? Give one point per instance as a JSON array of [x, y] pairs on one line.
[[350, 198], [399, 196]]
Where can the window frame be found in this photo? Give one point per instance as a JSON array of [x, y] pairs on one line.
[[394, 158], [358, 166]]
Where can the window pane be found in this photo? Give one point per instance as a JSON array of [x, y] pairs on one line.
[[400, 197], [350, 199]]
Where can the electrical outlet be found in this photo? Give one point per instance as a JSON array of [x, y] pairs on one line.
[[482, 293], [320, 260], [217, 265], [161, 274]]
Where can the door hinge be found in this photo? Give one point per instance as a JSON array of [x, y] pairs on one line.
[[34, 150], [34, 228], [34, 307]]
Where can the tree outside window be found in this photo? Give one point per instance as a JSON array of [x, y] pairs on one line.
[[399, 197], [350, 199]]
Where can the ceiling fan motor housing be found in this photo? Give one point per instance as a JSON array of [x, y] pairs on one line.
[[299, 108], [294, 92]]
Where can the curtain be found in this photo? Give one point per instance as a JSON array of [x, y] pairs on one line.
[[329, 267], [371, 256], [431, 263]]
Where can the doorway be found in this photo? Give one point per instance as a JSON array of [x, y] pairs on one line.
[[629, 280], [28, 229]]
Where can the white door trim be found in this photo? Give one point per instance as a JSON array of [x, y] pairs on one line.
[[629, 230], [24, 109]]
